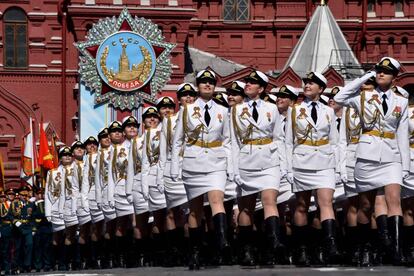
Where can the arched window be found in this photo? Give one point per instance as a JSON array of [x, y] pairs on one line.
[[371, 8], [15, 38], [236, 10], [399, 8]]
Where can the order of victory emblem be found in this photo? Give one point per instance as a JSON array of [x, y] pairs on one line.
[[125, 60]]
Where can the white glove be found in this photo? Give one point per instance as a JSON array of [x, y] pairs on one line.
[[174, 177], [338, 178], [61, 216], [111, 204], [344, 178], [405, 174], [49, 219], [33, 233], [130, 199], [283, 174], [289, 177], [145, 191], [32, 199], [238, 180], [160, 188], [18, 223]]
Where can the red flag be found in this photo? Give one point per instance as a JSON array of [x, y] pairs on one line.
[[45, 157]]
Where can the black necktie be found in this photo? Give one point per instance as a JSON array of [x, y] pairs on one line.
[[338, 123], [384, 104], [284, 125], [255, 113], [207, 117], [314, 113]]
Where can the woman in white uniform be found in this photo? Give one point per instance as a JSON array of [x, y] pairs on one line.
[[117, 175], [135, 196], [407, 192], [88, 201], [152, 190], [54, 200], [258, 154], [175, 194], [313, 163], [203, 128], [69, 209], [383, 148], [103, 161], [83, 214]]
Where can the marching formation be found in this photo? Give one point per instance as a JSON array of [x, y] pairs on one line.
[[241, 177]]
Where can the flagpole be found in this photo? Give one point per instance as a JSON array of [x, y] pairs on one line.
[[33, 155]]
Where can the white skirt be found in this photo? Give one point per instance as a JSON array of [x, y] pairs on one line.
[[407, 190], [122, 206], [339, 194], [175, 194], [350, 187], [108, 212], [371, 175], [307, 180], [58, 224], [285, 192], [69, 219], [156, 199], [141, 205], [257, 181], [199, 183], [84, 215], [96, 214], [231, 190]]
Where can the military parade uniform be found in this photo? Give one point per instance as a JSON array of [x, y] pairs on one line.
[[54, 198], [117, 174], [6, 227], [383, 147], [175, 194], [313, 158], [42, 240], [70, 196], [407, 190], [134, 186], [150, 155], [22, 214]]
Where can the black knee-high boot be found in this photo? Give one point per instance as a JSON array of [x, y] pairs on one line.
[[301, 236], [409, 244], [246, 256], [332, 255], [274, 247], [365, 251], [195, 244], [223, 246], [395, 227], [352, 253]]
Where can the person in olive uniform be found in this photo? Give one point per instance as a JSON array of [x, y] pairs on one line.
[[42, 240], [22, 210], [6, 224]]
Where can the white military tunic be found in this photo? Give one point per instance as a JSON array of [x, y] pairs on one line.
[[70, 196], [206, 152], [258, 147], [408, 183], [150, 156], [101, 182], [383, 148], [174, 191], [349, 133], [311, 148], [88, 189], [84, 215], [54, 198], [285, 189], [117, 174], [134, 187]]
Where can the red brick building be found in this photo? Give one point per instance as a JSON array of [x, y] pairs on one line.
[[38, 62]]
